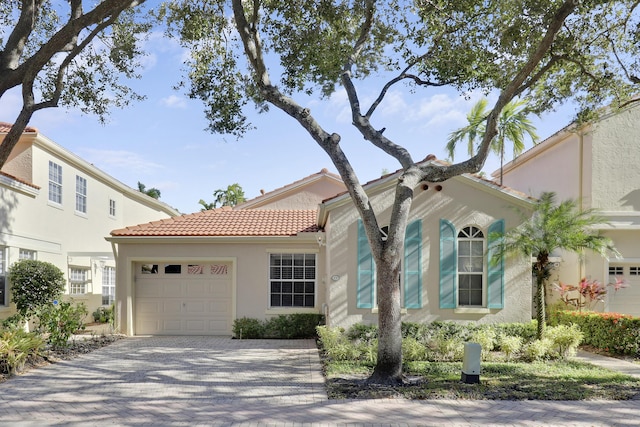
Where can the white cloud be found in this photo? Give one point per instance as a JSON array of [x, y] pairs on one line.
[[174, 101], [120, 160]]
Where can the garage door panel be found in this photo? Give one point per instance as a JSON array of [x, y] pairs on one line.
[[626, 300], [184, 304]]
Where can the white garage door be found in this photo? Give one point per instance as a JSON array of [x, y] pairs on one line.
[[626, 300], [183, 299]]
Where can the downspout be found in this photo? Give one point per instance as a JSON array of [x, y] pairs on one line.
[[581, 264]]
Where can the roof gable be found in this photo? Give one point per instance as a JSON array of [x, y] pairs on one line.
[[305, 193]]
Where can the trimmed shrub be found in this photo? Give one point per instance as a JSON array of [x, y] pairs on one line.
[[247, 328], [566, 339], [527, 330], [486, 337], [510, 345], [612, 332], [290, 326], [537, 350], [35, 284], [335, 344]]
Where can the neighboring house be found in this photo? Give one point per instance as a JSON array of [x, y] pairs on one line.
[[597, 165], [56, 207], [281, 254]]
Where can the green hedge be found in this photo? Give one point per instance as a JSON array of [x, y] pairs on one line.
[[290, 326], [612, 332]]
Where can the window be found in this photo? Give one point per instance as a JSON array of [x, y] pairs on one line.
[[3, 276], [292, 280], [78, 281], [470, 266], [467, 278], [633, 271], [112, 207], [172, 269], [55, 183], [81, 194], [26, 254], [617, 270], [108, 285]]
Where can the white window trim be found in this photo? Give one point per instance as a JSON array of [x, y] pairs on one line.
[[287, 309], [86, 283], [81, 196], [55, 184], [472, 308]]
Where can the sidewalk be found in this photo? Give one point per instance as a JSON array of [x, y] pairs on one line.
[[622, 366]]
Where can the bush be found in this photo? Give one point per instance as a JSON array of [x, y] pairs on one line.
[[35, 284], [61, 321], [486, 337], [293, 326], [566, 339], [445, 347], [247, 328], [527, 331], [363, 333], [611, 332], [103, 315], [335, 344], [290, 326], [538, 350], [413, 350], [15, 321], [16, 346], [510, 345]]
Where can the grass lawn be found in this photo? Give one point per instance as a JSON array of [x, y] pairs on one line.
[[551, 380]]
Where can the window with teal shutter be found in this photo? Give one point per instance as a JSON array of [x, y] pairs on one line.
[[448, 263], [495, 286], [366, 271], [413, 265]]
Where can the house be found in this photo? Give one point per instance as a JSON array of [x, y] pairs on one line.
[[301, 249], [56, 207], [597, 165]]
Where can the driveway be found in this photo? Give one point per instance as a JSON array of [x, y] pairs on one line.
[[218, 381]]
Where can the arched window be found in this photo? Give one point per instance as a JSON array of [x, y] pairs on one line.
[[471, 246]]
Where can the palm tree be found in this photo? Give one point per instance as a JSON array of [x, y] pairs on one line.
[[513, 125], [233, 195], [552, 227]]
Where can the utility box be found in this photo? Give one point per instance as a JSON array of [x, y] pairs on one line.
[[471, 363]]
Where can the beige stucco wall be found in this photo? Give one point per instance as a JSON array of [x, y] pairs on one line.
[[616, 156], [251, 260], [459, 202], [557, 166], [59, 234], [304, 195]]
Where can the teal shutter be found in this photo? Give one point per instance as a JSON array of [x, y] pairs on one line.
[[448, 263], [413, 265], [366, 270], [495, 285]]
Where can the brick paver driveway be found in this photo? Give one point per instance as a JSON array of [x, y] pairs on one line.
[[218, 381]]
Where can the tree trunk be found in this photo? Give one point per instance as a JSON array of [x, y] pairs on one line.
[[388, 369], [541, 315]]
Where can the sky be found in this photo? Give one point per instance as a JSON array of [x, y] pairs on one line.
[[163, 143]]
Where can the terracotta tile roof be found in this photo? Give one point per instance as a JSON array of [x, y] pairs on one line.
[[228, 222], [19, 180], [6, 127]]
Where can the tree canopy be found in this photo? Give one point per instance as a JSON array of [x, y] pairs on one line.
[[231, 196], [67, 56], [280, 52]]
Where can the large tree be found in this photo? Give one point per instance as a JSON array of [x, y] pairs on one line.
[[67, 56], [511, 47]]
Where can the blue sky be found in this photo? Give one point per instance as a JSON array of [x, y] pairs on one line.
[[162, 141]]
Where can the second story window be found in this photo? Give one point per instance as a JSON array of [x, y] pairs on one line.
[[81, 194], [55, 183], [112, 207], [26, 254]]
